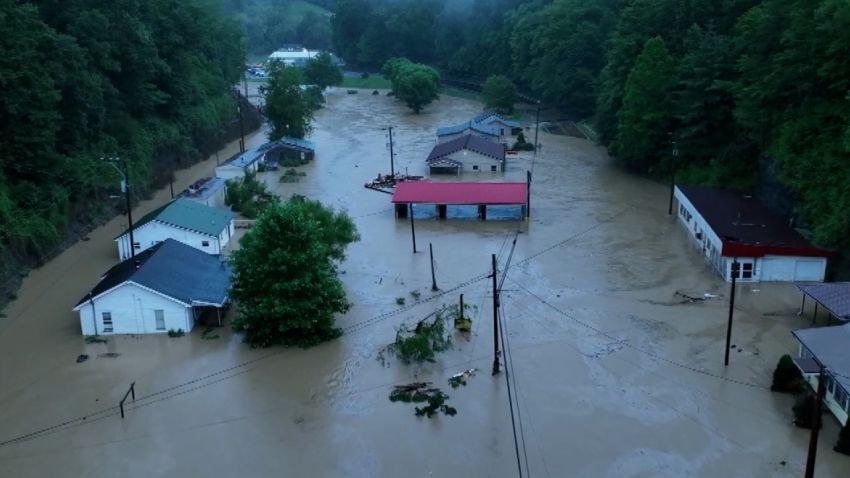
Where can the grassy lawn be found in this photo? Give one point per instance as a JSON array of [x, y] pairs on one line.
[[374, 82], [461, 93]]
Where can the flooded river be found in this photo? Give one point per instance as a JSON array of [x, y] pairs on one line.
[[615, 375]]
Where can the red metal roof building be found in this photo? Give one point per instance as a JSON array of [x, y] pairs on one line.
[[442, 194]]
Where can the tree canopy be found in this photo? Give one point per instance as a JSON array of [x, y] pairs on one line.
[[288, 107], [285, 274], [322, 71], [82, 79], [499, 94], [415, 84]]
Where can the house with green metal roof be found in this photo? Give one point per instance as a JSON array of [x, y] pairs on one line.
[[205, 228]]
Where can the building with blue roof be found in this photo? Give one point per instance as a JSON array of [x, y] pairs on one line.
[[448, 133], [205, 228], [506, 127], [249, 161], [169, 286]]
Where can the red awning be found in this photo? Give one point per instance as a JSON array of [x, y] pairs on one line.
[[432, 192]]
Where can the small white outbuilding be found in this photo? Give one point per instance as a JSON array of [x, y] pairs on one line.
[[205, 228], [168, 286]]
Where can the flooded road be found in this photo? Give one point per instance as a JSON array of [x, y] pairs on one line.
[[615, 376]]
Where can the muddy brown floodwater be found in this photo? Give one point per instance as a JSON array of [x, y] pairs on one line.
[[615, 377]]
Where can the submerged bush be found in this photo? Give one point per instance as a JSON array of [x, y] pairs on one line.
[[787, 377]]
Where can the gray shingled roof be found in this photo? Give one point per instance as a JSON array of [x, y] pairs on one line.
[[190, 215], [831, 346], [834, 296], [173, 269], [469, 142], [489, 116]]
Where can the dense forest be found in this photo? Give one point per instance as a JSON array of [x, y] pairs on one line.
[[269, 24], [145, 80], [753, 92]]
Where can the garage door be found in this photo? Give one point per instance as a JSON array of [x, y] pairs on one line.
[[791, 269], [809, 270], [777, 269]]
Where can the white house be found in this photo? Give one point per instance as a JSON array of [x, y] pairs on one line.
[[209, 192], [169, 286], [504, 126], [448, 133], [468, 153], [239, 164], [727, 225], [205, 228], [292, 55], [829, 347]]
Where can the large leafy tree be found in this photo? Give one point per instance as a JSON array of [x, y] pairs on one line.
[[322, 71], [644, 120], [285, 274], [415, 84], [288, 107], [499, 94]]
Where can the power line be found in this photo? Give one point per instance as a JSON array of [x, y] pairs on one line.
[[633, 347], [349, 330]]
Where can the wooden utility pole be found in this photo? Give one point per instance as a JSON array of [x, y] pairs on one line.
[[392, 156], [672, 176], [495, 319], [412, 227], [527, 194], [433, 275], [813, 438], [536, 127], [735, 269]]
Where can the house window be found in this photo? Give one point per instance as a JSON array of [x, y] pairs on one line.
[[502, 131], [137, 245], [160, 319], [205, 243], [493, 168], [107, 321], [475, 167], [743, 270]]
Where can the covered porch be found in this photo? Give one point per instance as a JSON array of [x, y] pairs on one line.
[[833, 297]]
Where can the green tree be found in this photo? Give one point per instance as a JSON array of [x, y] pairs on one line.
[[288, 108], [322, 71], [558, 51], [499, 94], [415, 84], [285, 274], [644, 120]]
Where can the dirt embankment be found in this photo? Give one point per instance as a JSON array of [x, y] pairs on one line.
[[82, 218]]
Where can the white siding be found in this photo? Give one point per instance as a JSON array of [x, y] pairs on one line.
[[230, 171], [700, 233], [793, 268], [154, 232], [471, 159], [133, 312]]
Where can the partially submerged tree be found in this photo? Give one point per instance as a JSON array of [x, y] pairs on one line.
[[843, 444], [499, 94], [322, 71], [247, 196], [285, 274], [415, 84], [288, 108], [787, 377]]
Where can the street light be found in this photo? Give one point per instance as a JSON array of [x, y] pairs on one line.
[[125, 188]]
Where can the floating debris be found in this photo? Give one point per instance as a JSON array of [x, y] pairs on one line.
[[108, 355], [459, 379], [82, 358], [421, 392]]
